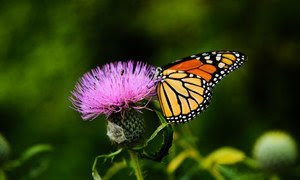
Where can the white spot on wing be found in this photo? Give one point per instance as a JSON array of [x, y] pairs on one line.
[[221, 65]]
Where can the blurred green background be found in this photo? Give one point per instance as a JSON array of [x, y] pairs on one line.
[[45, 46]]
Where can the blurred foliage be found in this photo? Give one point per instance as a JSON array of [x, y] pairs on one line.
[[30, 164], [4, 150], [224, 155], [45, 46]]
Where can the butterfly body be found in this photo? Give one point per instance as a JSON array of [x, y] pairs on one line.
[[185, 86]]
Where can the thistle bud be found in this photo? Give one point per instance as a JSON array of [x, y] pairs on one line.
[[275, 150], [126, 129]]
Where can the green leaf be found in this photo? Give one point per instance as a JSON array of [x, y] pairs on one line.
[[34, 171], [236, 173], [154, 134], [2, 175], [34, 150], [166, 142], [114, 169], [4, 150], [161, 118], [224, 155], [95, 173], [251, 163], [227, 172], [28, 154], [178, 160]]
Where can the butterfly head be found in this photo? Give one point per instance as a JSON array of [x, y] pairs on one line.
[[158, 74]]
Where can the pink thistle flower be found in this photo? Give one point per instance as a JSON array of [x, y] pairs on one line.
[[113, 88]]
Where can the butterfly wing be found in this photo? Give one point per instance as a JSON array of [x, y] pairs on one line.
[[185, 86], [182, 96], [212, 66]]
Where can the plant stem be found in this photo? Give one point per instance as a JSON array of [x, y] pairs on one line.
[[136, 165]]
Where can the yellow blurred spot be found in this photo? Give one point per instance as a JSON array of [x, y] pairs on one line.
[[224, 155], [177, 161]]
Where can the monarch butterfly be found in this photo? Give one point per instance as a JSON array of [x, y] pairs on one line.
[[184, 87]]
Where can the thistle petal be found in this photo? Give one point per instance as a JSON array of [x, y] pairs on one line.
[[113, 88]]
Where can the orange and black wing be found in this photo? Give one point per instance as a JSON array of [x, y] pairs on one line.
[[212, 66], [185, 86], [182, 96]]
